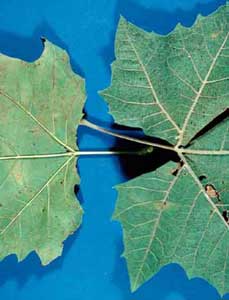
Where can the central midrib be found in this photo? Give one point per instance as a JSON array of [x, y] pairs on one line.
[[154, 230], [154, 94]]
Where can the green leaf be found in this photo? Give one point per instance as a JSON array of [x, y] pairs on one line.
[[41, 102], [174, 87], [166, 82]]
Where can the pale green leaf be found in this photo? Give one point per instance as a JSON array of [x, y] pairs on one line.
[[164, 84], [172, 87], [40, 105]]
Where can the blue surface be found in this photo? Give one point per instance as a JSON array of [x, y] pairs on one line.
[[91, 266]]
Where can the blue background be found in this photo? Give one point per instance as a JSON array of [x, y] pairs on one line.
[[91, 266]]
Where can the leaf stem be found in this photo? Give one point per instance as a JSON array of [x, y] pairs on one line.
[[86, 123], [74, 154], [176, 149], [90, 153], [149, 149], [203, 152]]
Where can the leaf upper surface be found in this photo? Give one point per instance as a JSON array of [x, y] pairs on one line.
[[41, 103], [173, 87]]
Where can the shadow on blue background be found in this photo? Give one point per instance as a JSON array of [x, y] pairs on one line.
[[91, 266]]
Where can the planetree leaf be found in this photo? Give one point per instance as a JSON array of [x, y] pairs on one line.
[[174, 87], [167, 82], [40, 105]]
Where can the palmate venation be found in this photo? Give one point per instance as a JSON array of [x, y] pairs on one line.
[[172, 87], [40, 105]]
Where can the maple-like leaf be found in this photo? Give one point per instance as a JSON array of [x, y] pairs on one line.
[[40, 105], [174, 87]]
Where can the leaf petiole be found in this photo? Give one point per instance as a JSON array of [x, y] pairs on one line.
[[75, 154], [86, 123], [176, 149]]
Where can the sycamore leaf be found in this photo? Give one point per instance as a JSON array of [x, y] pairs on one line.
[[172, 87], [167, 82], [40, 104]]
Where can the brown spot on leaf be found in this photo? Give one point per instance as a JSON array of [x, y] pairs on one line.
[[214, 35], [178, 168], [211, 191], [18, 176]]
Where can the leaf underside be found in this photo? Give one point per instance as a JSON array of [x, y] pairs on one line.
[[40, 105], [172, 87]]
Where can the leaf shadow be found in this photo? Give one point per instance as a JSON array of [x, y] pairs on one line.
[[171, 282], [29, 49], [31, 265], [134, 164], [158, 286], [157, 20], [161, 22], [210, 126]]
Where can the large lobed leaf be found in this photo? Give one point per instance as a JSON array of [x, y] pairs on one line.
[[40, 105], [172, 87]]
